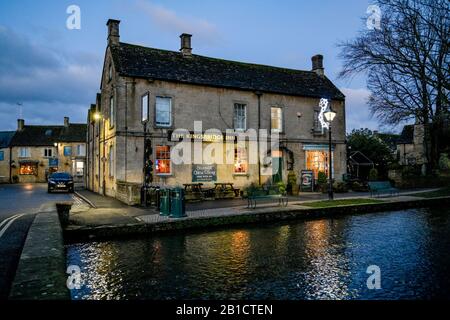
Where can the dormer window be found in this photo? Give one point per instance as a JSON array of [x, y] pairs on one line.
[[48, 132]]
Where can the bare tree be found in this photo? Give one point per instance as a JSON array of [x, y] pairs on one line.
[[407, 65]]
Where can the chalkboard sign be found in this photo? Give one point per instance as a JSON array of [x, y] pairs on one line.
[[204, 173], [307, 180]]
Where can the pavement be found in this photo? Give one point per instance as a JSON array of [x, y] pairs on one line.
[[110, 213], [19, 204]]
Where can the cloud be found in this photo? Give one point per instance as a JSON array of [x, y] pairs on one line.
[[358, 114], [170, 21], [49, 82]]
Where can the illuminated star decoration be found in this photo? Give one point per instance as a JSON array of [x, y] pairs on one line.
[[323, 104]]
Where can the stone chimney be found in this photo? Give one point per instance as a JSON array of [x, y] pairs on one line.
[[20, 124], [113, 31], [66, 122], [317, 64], [186, 48]]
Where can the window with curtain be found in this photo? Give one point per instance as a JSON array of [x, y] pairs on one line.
[[24, 152], [163, 111], [81, 150], [276, 117], [240, 116]]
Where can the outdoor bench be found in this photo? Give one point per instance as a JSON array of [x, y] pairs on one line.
[[266, 193], [380, 187]]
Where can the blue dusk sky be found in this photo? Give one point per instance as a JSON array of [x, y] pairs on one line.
[[55, 72]]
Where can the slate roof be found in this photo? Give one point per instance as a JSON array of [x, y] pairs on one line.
[[47, 135], [142, 62], [407, 135], [5, 138]]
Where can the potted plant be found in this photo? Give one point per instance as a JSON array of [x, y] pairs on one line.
[[292, 186]]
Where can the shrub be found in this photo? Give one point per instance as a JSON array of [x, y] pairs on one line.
[[359, 186], [292, 183], [444, 162], [281, 187], [322, 181], [340, 187], [373, 174]]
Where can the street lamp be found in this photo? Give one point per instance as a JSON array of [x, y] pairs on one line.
[[329, 115], [145, 103]]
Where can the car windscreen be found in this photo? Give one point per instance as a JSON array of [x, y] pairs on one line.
[[61, 176]]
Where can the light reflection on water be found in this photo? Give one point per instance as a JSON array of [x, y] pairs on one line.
[[317, 259]]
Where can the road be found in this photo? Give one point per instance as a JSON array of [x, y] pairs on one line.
[[18, 205]]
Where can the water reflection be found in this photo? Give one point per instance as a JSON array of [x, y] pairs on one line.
[[320, 259]]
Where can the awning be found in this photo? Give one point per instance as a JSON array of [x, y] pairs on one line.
[[317, 147]]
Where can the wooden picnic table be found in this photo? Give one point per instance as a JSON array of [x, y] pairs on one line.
[[193, 192], [224, 190]]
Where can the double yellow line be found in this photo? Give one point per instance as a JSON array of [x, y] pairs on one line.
[[5, 224]]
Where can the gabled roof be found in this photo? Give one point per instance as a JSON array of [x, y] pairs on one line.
[[74, 133], [407, 135], [142, 62], [5, 138], [32, 135]]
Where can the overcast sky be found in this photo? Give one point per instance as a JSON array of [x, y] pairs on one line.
[[55, 72]]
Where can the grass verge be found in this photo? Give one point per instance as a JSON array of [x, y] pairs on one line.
[[343, 202], [433, 194]]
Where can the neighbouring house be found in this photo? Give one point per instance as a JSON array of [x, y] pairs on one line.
[[5, 154], [39, 150], [411, 146], [173, 89]]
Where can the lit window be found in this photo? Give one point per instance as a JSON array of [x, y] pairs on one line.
[[2, 155], [163, 112], [162, 159], [111, 112], [28, 169], [240, 116], [67, 151], [48, 152], [79, 168], [24, 152], [276, 118], [317, 161], [144, 107], [111, 161], [240, 160]]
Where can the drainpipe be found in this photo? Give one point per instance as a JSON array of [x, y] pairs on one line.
[[259, 94], [10, 163]]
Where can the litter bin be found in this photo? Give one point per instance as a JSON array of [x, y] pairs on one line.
[[164, 204], [177, 203]]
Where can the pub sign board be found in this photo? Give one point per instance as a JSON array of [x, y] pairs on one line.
[[204, 172]]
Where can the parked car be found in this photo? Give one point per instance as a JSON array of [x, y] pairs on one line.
[[60, 181]]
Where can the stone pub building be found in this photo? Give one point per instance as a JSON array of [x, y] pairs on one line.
[[174, 89]]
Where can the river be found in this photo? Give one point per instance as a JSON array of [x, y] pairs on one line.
[[313, 259]]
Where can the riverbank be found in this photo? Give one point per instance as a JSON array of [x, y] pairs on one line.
[[113, 223]]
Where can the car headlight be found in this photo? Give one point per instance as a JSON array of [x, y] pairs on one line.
[[51, 182]]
